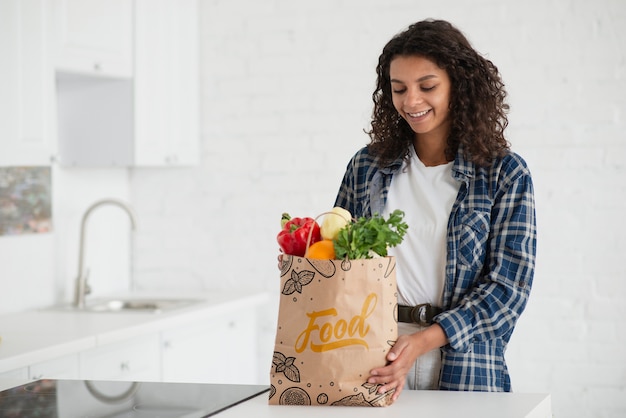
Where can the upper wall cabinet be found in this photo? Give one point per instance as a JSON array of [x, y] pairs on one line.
[[147, 119], [93, 36], [26, 84], [166, 82]]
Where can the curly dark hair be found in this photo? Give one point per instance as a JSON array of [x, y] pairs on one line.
[[478, 111]]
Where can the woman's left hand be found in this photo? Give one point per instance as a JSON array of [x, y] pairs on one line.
[[402, 356]]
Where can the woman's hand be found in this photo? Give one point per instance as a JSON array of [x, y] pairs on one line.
[[402, 356]]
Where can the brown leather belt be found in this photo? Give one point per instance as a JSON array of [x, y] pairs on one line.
[[421, 314]]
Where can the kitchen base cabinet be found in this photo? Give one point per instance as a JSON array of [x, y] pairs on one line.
[[21, 373], [65, 367], [213, 341], [136, 359], [216, 350]]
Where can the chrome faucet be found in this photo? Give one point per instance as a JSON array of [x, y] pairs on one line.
[[82, 287]]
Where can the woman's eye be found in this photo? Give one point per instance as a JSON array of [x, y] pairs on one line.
[[399, 91], [427, 88]]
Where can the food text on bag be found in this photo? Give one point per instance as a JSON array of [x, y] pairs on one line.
[[325, 336]]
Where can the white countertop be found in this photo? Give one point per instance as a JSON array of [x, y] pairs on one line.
[[40, 335], [411, 403]]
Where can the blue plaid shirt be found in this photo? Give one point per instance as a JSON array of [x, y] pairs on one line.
[[490, 260]]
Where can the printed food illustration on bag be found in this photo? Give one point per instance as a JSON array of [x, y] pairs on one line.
[[337, 311]]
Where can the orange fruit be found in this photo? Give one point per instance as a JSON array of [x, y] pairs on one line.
[[322, 250]]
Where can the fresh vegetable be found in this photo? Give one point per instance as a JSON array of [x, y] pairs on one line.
[[322, 250], [293, 237], [334, 221], [284, 218], [369, 236]]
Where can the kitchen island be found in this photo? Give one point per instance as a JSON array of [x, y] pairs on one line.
[[77, 398], [420, 403]]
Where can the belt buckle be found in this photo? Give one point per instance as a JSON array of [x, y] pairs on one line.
[[418, 314]]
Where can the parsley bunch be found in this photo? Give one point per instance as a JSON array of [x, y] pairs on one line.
[[366, 236]]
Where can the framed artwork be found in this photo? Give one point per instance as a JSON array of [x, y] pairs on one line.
[[25, 200]]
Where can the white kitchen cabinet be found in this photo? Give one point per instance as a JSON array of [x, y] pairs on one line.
[[21, 373], [213, 341], [148, 119], [136, 359], [166, 82], [221, 349], [65, 367], [93, 36], [26, 83]]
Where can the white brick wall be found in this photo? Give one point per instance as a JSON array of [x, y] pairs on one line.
[[285, 97]]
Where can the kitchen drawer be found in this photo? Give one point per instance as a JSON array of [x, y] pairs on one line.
[[21, 373], [134, 359], [216, 350], [65, 367]]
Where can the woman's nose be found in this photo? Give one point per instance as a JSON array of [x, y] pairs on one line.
[[413, 97]]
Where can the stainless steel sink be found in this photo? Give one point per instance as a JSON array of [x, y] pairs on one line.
[[154, 305]]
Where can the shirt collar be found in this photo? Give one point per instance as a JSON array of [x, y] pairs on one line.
[[461, 169], [393, 167]]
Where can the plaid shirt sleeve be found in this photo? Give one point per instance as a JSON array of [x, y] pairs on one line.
[[364, 186], [490, 268], [346, 197]]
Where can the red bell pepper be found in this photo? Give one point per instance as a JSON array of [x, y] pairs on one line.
[[292, 239]]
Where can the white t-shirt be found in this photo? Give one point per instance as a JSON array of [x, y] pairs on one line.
[[426, 195]]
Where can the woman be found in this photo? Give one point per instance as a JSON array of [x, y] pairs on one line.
[[466, 265]]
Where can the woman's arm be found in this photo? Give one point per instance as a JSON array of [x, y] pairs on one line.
[[487, 305]]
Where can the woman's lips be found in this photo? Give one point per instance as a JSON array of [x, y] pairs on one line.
[[419, 114]]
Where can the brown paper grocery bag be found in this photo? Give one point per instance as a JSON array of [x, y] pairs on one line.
[[336, 322]]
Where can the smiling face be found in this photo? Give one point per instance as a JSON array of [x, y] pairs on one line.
[[421, 94]]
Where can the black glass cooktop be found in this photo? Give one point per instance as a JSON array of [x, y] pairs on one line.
[[106, 399]]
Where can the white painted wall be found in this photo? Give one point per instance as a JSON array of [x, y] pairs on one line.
[[285, 97], [39, 270]]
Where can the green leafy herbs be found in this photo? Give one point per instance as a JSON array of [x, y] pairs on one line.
[[369, 236]]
